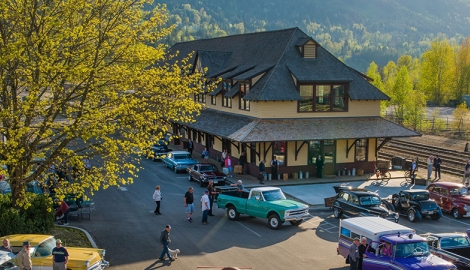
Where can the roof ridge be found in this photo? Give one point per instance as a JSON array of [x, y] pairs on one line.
[[277, 63]]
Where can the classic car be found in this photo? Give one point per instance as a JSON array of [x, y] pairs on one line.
[[452, 247], [451, 197], [416, 204], [204, 172], [41, 252], [357, 202], [179, 160], [8, 261], [262, 202], [160, 150]]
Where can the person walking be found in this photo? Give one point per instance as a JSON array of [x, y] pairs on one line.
[[23, 258], [242, 161], [60, 256], [6, 245], [319, 164], [157, 198], [212, 196], [190, 146], [189, 204], [466, 174], [437, 167], [228, 165], [274, 168], [165, 241], [354, 254], [205, 207], [412, 171], [205, 155], [262, 169], [430, 162]]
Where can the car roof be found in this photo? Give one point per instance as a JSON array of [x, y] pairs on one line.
[[179, 152], [267, 188], [448, 184], [415, 191], [360, 191], [444, 235], [34, 239]]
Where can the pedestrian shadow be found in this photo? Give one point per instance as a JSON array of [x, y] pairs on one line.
[[158, 264], [340, 268]]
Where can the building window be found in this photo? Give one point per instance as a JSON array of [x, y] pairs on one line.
[[361, 150], [279, 151], [244, 90], [201, 98], [213, 100], [226, 101], [323, 98]]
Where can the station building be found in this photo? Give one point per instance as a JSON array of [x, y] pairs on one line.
[[283, 95]]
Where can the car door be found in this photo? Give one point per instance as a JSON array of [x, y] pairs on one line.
[[435, 194], [342, 201], [255, 205], [405, 200], [445, 199], [354, 205]]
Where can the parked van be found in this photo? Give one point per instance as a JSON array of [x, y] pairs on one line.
[[408, 250]]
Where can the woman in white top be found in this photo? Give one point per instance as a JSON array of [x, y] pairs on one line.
[[157, 197]]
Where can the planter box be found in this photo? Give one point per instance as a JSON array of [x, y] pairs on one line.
[[421, 182]]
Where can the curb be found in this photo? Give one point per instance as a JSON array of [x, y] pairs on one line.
[[92, 242]]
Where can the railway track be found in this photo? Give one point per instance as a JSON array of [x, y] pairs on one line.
[[453, 161]]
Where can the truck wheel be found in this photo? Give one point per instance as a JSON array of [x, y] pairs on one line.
[[456, 214], [274, 222], [435, 216], [337, 212], [232, 213], [411, 215], [201, 183], [296, 222]]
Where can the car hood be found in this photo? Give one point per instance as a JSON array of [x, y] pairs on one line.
[[211, 174], [462, 199], [424, 262], [377, 209], [288, 204], [79, 256]]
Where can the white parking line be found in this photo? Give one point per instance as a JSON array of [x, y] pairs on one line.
[[455, 220], [249, 229]]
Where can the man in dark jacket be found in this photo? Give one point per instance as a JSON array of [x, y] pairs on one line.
[[437, 167], [262, 168], [165, 240], [319, 164]]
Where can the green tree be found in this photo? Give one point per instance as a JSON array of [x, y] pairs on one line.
[[416, 111], [374, 74], [461, 119], [462, 70], [437, 71], [82, 78], [400, 94]]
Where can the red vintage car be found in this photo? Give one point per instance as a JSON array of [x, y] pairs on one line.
[[451, 197]]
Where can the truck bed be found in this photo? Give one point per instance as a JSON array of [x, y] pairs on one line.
[[243, 194]]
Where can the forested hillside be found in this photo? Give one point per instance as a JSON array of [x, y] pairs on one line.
[[357, 31]]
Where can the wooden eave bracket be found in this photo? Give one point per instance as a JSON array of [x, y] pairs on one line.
[[386, 140], [297, 150], [267, 149], [350, 147]]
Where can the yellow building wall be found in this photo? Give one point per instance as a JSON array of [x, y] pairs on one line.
[[302, 157], [371, 150], [341, 150], [288, 109]]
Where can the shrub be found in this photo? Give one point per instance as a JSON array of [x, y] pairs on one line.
[[38, 218]]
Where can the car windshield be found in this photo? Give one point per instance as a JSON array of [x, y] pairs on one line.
[[45, 248], [273, 195], [454, 242], [208, 168], [420, 196], [183, 156], [457, 191], [411, 250], [369, 200]]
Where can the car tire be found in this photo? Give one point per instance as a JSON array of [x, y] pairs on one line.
[[232, 213], [435, 216], [296, 222], [456, 213], [274, 222], [175, 170], [411, 215], [337, 212], [201, 183]]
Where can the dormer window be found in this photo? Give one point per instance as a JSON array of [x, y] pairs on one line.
[[244, 90], [309, 49], [226, 86], [323, 98]]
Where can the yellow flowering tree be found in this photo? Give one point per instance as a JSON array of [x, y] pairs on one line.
[[86, 78]]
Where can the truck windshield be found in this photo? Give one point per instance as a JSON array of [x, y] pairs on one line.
[[411, 250], [273, 195], [369, 200]]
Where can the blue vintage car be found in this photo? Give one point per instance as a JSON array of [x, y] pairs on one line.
[[389, 245], [453, 247], [179, 160]]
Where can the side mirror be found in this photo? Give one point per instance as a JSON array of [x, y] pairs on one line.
[[257, 198]]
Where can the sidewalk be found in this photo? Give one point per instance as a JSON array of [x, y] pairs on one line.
[[313, 191]]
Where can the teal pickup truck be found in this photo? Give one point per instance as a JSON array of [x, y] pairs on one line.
[[262, 202]]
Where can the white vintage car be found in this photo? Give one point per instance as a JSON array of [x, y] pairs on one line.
[[8, 261]]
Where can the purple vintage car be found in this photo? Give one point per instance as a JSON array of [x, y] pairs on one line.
[[407, 249]]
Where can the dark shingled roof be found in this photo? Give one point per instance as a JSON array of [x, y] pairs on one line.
[[241, 56], [250, 129]]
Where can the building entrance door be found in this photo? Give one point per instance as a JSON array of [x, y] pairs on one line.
[[329, 151]]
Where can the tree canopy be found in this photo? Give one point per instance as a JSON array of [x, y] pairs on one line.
[[83, 79]]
